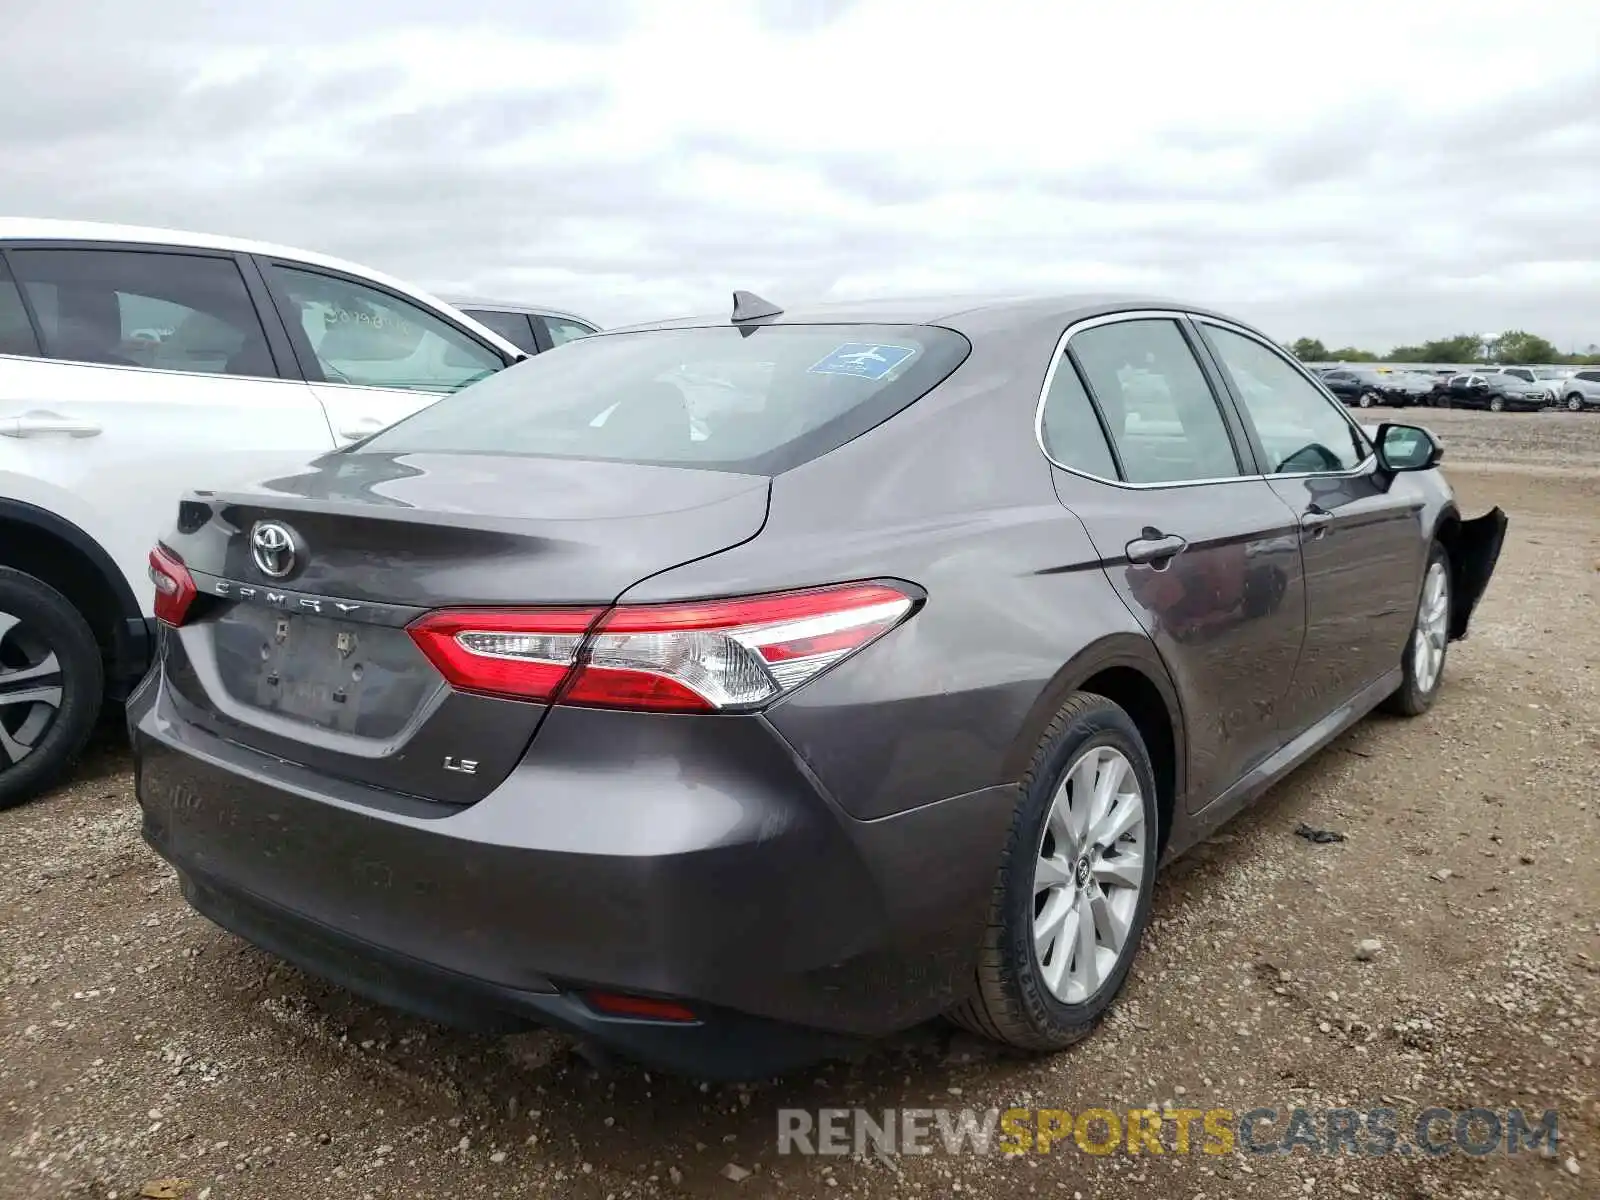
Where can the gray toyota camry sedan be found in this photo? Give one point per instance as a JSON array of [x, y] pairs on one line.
[[728, 691]]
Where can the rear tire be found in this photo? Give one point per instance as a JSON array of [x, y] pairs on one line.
[[1366, 400], [1496, 404], [52, 683], [1423, 658], [1081, 854]]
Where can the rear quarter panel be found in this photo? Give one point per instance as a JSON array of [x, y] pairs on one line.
[[952, 495]]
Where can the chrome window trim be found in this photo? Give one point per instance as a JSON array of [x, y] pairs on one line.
[[1165, 314], [77, 362], [389, 387], [354, 387]]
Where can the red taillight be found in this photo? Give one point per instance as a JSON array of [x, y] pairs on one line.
[[723, 654], [175, 590], [704, 656], [524, 653], [640, 1008]]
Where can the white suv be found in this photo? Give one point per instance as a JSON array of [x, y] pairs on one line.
[[135, 363], [1581, 390]]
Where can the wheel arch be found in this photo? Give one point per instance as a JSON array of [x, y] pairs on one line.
[[59, 553], [1126, 669]]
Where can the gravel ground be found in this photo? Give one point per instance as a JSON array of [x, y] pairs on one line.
[[143, 1050], [1561, 442]]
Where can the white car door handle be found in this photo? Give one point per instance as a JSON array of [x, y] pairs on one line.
[[363, 427], [35, 423]]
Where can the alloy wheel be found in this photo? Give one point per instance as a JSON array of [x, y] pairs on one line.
[[1496, 404], [1433, 628], [1574, 403], [1088, 873], [30, 690]]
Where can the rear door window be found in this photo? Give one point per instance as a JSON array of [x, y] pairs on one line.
[[758, 400], [16, 331], [144, 308], [1163, 417], [513, 326], [364, 336]]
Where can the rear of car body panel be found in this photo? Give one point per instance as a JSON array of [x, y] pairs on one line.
[[828, 862], [392, 539], [693, 858]]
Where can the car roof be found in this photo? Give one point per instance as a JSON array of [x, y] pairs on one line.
[[517, 306], [963, 313], [51, 229]]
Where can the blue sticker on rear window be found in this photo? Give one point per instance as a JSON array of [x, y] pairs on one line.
[[864, 360]]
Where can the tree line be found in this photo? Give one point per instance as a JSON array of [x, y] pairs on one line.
[[1513, 347]]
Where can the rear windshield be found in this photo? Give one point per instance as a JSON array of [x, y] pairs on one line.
[[759, 400]]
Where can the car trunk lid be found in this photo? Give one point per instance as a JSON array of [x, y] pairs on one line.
[[297, 645]]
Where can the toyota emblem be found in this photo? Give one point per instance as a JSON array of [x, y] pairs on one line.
[[273, 549]]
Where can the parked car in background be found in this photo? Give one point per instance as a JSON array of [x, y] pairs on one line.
[[726, 748], [1582, 390], [529, 327], [1436, 382], [1495, 391], [1366, 387], [1410, 387], [136, 362], [1547, 379]]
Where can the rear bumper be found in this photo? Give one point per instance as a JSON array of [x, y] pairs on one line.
[[683, 857], [722, 1045]]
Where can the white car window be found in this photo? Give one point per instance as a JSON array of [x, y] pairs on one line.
[[175, 312], [16, 332], [361, 335]]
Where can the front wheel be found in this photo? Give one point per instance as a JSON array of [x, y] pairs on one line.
[[1574, 403], [1367, 400], [1072, 893], [1422, 661], [1496, 404], [51, 685]]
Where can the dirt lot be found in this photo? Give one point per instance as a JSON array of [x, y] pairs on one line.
[[139, 1043]]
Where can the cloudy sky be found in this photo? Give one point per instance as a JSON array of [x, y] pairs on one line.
[[1369, 172]]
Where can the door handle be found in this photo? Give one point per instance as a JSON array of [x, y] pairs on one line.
[[1314, 522], [1155, 549], [34, 423], [361, 428]]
